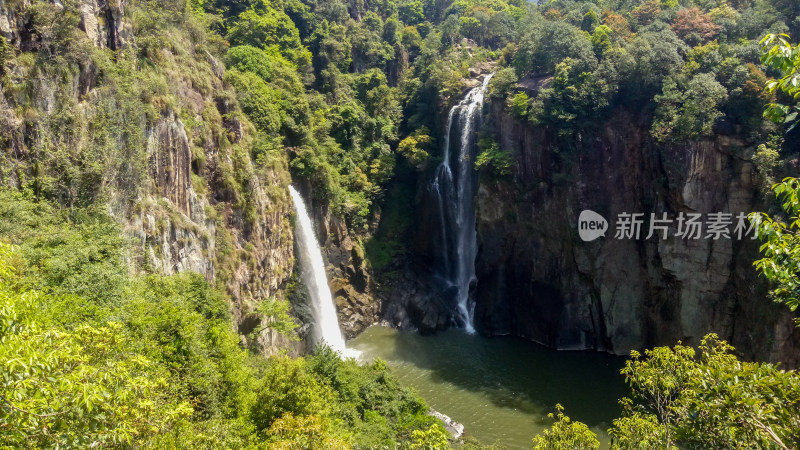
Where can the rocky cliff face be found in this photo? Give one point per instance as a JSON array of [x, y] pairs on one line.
[[174, 169], [167, 148], [101, 21], [539, 280]]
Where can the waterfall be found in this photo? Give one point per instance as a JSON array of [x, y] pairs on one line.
[[453, 187], [312, 270]]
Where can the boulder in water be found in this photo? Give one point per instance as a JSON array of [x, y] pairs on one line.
[[454, 428]]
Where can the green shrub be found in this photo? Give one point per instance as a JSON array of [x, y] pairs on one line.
[[491, 156], [258, 100], [566, 433], [289, 387], [75, 388], [519, 105]]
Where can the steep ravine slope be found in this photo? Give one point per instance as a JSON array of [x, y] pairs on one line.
[[128, 105], [95, 107], [539, 280]]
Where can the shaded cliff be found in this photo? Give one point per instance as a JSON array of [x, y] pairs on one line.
[[539, 280]]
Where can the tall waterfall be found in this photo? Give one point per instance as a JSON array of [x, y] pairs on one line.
[[312, 270], [453, 187]]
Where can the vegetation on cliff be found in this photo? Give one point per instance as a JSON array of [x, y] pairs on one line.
[[691, 70], [781, 251], [140, 108], [341, 88]]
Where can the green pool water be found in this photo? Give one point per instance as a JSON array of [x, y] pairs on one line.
[[500, 388]]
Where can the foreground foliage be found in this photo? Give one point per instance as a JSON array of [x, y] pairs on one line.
[[781, 262], [687, 398], [121, 361], [784, 57], [565, 433]]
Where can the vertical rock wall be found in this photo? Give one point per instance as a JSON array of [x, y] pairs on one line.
[[539, 280]]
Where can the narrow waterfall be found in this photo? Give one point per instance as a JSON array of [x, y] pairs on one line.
[[453, 187], [312, 270]]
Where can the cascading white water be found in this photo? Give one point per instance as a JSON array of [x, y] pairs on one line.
[[453, 187], [312, 270]]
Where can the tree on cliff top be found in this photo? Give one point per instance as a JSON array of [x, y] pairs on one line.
[[694, 27]]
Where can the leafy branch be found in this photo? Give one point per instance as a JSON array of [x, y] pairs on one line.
[[780, 55]]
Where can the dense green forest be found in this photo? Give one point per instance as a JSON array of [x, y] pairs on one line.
[[98, 349], [690, 69]]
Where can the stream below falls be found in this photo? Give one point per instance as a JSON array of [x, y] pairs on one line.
[[500, 388]]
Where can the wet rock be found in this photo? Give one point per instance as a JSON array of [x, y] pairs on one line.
[[470, 84], [455, 429]]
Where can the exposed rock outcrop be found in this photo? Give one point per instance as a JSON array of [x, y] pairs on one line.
[[412, 301], [455, 429]]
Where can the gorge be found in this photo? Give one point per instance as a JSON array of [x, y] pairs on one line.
[[204, 189], [205, 204]]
